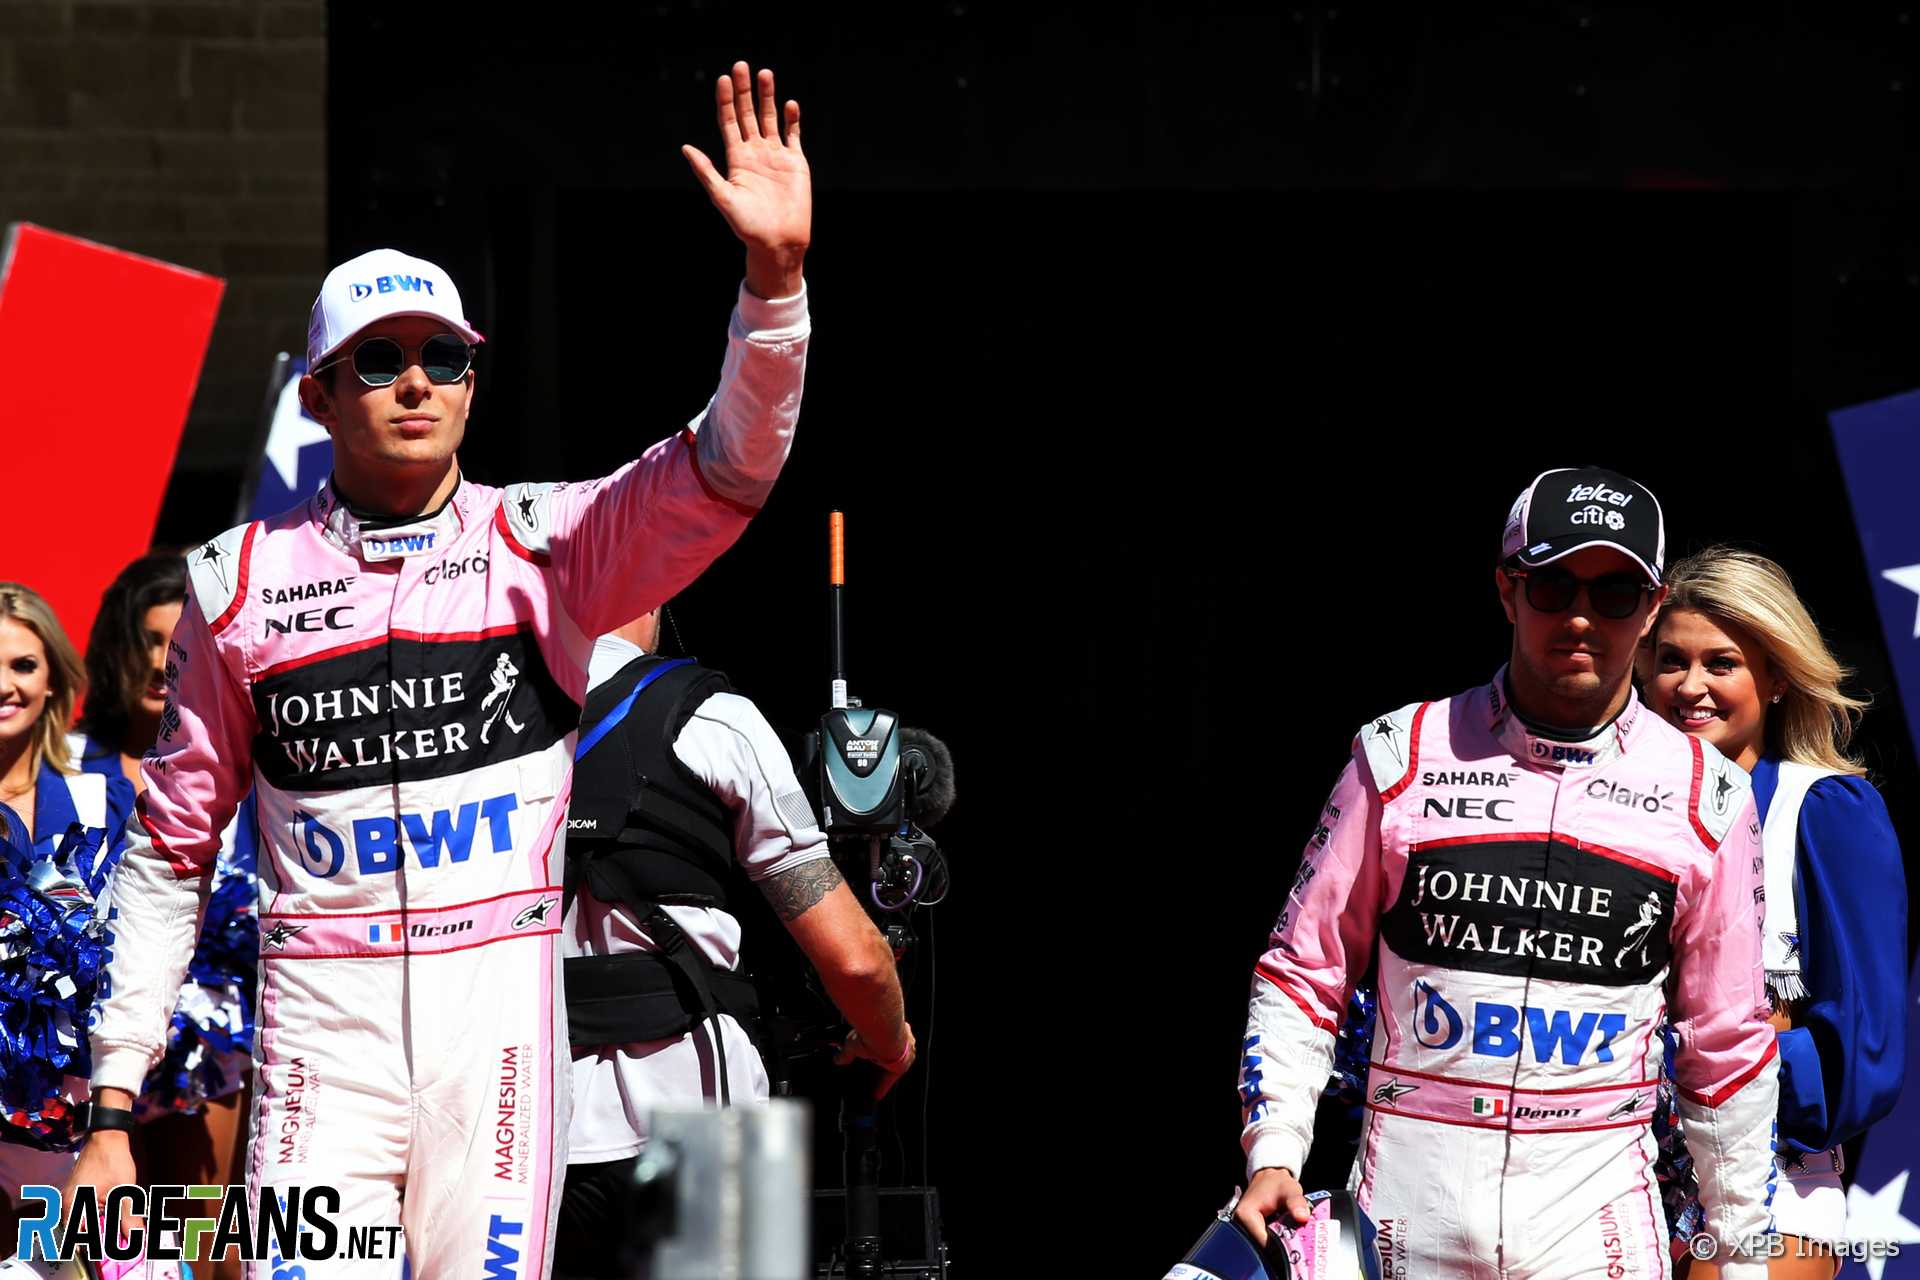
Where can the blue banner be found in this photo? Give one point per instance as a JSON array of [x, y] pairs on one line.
[[1879, 450], [296, 452]]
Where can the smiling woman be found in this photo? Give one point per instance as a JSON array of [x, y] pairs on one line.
[[40, 680], [1734, 658]]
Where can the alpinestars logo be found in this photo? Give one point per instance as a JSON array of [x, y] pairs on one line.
[[527, 511], [216, 556], [1391, 1092], [1384, 729], [1628, 1106], [281, 934], [535, 914], [1722, 788]]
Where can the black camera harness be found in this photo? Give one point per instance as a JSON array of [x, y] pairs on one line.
[[645, 832]]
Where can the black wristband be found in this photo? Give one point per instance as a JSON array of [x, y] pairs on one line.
[[94, 1117]]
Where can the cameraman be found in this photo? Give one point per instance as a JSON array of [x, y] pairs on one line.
[[677, 776]]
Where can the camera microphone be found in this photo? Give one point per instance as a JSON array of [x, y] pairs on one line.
[[928, 767]]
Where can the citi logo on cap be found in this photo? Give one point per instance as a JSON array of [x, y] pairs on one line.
[[390, 284]]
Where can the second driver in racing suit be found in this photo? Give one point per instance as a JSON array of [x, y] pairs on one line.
[[396, 667], [1539, 874]]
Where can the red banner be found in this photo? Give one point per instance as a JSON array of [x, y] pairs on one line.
[[100, 351]]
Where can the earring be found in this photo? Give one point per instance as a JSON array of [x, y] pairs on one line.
[[1778, 696]]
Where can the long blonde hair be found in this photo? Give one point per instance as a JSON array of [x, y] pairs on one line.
[[66, 677], [1815, 720]]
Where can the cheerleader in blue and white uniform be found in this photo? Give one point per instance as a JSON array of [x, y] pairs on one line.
[[1735, 658], [193, 1107], [40, 680]]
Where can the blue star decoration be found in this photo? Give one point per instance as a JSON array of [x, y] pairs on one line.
[[1793, 944], [1877, 1216]]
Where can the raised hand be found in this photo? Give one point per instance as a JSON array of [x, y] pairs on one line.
[[766, 195]]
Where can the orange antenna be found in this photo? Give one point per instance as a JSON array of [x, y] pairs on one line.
[[837, 540], [836, 583]]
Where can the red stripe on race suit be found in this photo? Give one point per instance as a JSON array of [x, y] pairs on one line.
[[1413, 756], [513, 544], [1490, 1085], [1477, 1124], [1627, 859], [277, 958], [182, 868], [240, 593], [1739, 1082], [693, 456], [1500, 837], [1561, 837], [1325, 1024], [374, 642], [1693, 796], [412, 911]]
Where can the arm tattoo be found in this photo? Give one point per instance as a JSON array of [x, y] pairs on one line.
[[792, 892]]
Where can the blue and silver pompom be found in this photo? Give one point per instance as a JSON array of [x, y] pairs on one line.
[[53, 968], [210, 1044]]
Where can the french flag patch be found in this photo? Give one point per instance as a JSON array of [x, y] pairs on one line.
[[383, 933]]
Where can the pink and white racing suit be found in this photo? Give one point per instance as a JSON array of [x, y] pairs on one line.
[[1534, 909], [404, 701]]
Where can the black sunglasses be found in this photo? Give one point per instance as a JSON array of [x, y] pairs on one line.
[[378, 362], [1550, 590]]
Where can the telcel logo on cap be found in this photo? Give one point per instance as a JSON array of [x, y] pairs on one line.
[[391, 284], [1598, 493]]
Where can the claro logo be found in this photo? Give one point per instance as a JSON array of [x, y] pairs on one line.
[[454, 570]]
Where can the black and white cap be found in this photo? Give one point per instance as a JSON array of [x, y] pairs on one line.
[[1574, 507]]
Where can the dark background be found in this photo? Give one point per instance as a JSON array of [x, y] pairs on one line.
[[1176, 367]]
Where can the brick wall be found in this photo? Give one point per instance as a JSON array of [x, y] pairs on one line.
[[190, 130]]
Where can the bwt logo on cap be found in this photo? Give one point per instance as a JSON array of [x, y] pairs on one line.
[[390, 284]]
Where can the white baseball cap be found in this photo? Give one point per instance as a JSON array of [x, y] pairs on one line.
[[373, 286]]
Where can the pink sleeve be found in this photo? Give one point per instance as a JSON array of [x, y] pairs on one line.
[[201, 765], [197, 774], [1726, 1063], [1331, 917], [621, 545], [1320, 944], [1720, 1004], [624, 544]]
